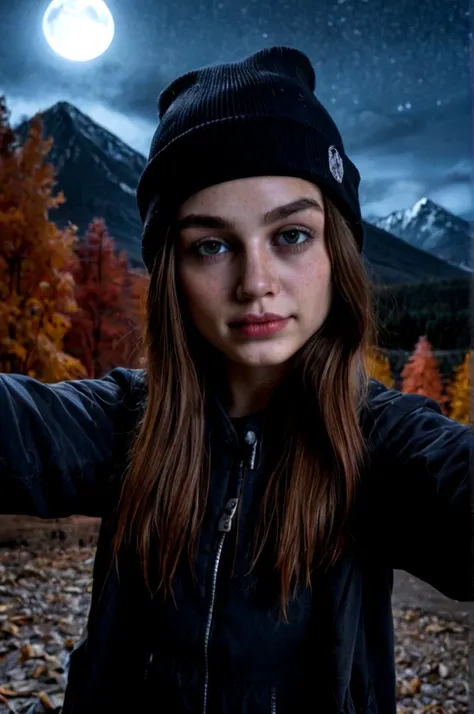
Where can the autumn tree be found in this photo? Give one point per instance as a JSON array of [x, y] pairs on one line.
[[103, 331], [459, 392], [421, 374], [378, 367], [36, 259]]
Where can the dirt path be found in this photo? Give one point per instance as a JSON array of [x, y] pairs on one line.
[[45, 596], [45, 580], [409, 592]]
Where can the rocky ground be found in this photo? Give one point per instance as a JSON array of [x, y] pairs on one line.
[[44, 599]]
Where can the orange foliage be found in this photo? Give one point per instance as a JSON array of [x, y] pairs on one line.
[[36, 285], [378, 367], [459, 392]]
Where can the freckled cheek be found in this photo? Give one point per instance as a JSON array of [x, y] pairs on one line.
[[314, 283], [202, 292], [314, 277]]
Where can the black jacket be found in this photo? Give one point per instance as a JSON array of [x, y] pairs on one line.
[[222, 647]]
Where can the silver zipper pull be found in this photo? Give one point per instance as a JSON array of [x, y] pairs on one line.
[[225, 523], [250, 439], [148, 665]]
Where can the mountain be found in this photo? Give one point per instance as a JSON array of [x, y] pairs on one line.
[[433, 229], [98, 174], [391, 261]]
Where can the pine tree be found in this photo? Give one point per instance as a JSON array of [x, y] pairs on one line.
[[36, 258], [101, 333], [421, 374], [378, 367], [459, 392]]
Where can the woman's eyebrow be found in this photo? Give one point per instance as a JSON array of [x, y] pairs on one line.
[[198, 220]]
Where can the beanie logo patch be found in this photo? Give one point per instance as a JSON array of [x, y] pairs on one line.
[[336, 167]]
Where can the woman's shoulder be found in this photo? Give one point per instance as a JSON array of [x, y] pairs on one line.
[[127, 386], [387, 411], [381, 399], [129, 391], [130, 382]]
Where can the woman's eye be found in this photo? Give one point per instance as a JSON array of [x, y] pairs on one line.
[[295, 236], [209, 248]]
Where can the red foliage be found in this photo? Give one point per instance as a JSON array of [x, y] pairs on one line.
[[101, 334], [421, 374]]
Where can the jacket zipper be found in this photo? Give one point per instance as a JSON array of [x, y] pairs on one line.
[[224, 527], [273, 701]]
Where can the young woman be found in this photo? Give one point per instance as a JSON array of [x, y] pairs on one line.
[[256, 489]]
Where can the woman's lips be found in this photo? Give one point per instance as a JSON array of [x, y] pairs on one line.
[[261, 329]]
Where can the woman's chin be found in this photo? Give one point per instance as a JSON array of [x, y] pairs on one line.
[[259, 356]]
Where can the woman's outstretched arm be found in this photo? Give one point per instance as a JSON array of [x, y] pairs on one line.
[[420, 492], [59, 443]]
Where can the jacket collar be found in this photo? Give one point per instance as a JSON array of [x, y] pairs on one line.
[[226, 429]]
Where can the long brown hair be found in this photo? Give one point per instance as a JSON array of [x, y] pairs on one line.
[[311, 489]]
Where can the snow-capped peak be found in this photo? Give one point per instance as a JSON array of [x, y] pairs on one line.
[[428, 226]]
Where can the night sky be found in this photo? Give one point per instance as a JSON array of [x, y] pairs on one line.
[[394, 74]]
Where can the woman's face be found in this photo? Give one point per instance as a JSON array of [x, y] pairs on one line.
[[253, 267]]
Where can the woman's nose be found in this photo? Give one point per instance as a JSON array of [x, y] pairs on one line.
[[257, 276]]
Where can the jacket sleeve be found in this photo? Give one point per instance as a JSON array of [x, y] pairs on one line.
[[59, 442], [421, 484]]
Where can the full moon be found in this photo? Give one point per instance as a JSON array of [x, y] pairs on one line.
[[78, 30]]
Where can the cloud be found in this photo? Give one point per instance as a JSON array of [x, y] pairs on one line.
[[389, 182], [455, 197], [379, 197], [460, 172], [397, 195], [134, 131], [368, 129], [21, 107], [394, 177]]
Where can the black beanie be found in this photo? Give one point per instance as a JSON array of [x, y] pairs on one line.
[[256, 117]]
